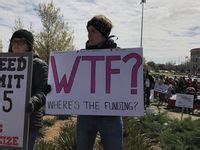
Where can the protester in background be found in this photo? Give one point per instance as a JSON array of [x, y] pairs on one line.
[[22, 41], [161, 96], [109, 127], [195, 84], [149, 84], [182, 85]]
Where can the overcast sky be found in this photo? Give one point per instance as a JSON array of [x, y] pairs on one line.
[[171, 27]]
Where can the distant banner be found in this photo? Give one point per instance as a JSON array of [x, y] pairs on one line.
[[184, 100], [103, 82], [162, 88], [15, 77]]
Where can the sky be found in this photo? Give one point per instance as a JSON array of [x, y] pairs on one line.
[[171, 27]]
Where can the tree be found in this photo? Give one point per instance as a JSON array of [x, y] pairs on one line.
[[169, 66], [151, 65], [161, 66], [55, 35], [20, 25]]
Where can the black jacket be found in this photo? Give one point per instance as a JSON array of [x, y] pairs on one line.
[[109, 43], [39, 90]]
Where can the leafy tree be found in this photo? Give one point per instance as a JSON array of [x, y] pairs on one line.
[[55, 35], [151, 64], [161, 66]]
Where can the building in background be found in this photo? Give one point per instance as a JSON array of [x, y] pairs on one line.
[[1, 46], [195, 61]]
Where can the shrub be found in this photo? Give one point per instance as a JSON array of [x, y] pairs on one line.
[[43, 145], [133, 139], [183, 134], [63, 117], [66, 139], [49, 121], [143, 132]]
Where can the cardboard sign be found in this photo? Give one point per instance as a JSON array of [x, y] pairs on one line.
[[162, 88], [184, 100], [99, 82], [15, 77]]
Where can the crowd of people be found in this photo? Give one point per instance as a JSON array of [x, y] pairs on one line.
[[182, 84]]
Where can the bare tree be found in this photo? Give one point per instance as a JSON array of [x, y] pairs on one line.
[[20, 25], [55, 35]]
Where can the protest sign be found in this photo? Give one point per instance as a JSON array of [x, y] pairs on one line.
[[162, 88], [103, 82], [184, 100], [15, 77]]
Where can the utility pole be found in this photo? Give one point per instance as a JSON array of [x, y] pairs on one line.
[[141, 36], [1, 46]]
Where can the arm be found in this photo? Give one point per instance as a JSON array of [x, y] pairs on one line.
[[39, 84]]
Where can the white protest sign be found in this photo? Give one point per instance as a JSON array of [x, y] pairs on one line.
[[162, 88], [15, 80], [184, 100], [99, 82]]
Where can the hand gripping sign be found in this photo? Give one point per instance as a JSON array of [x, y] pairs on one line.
[[15, 83], [103, 82]]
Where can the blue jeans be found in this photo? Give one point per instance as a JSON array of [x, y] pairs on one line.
[[110, 129], [33, 134]]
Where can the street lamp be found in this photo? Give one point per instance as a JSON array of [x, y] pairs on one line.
[[142, 2]]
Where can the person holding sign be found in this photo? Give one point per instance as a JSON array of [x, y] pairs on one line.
[[22, 41], [149, 84], [109, 127]]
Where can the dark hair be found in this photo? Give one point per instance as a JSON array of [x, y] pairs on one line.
[[102, 24], [22, 33]]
